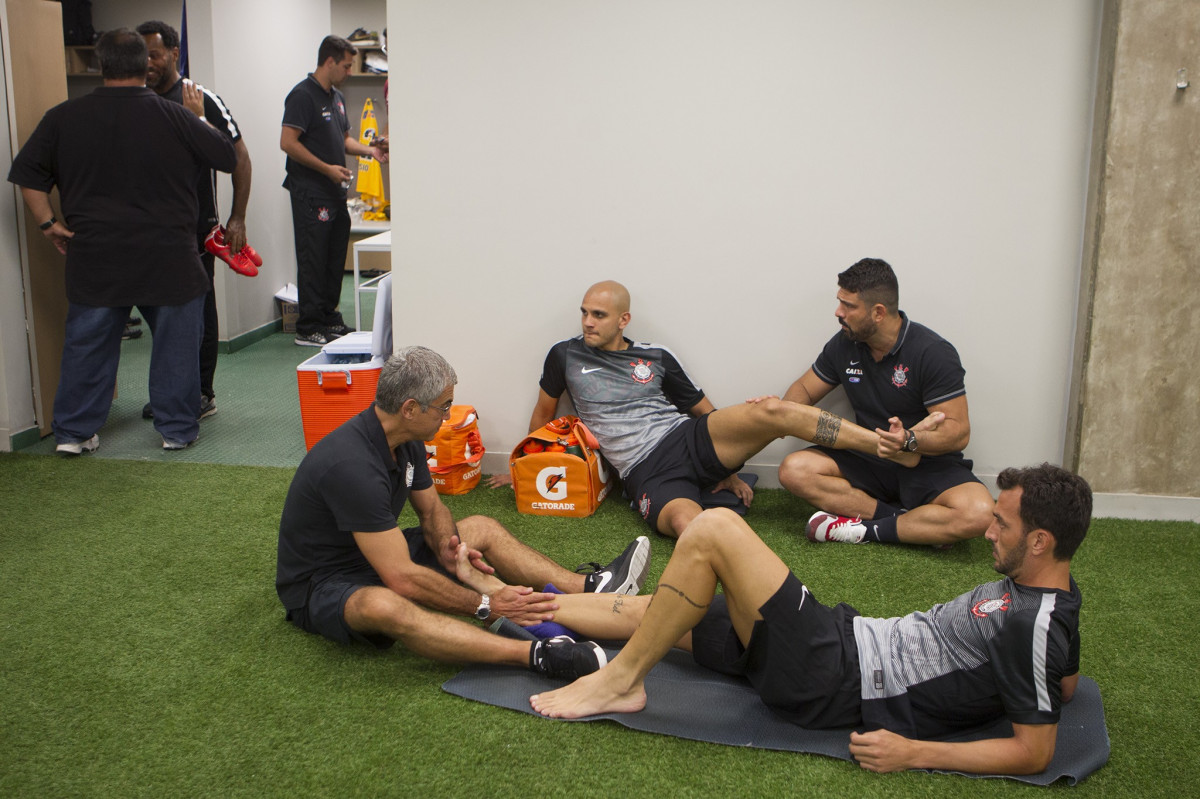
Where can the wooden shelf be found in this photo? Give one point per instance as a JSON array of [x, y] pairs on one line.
[[81, 60], [368, 53]]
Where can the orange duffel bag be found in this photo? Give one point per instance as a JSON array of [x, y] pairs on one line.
[[455, 455], [557, 470]]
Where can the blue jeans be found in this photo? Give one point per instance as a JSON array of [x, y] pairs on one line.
[[92, 351]]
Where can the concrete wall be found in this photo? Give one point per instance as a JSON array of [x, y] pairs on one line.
[[725, 161], [1139, 423]]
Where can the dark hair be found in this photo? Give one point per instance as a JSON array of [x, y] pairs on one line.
[[874, 281], [334, 47], [122, 54], [1052, 499], [170, 36]]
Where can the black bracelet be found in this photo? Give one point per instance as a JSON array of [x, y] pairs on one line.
[[49, 223]]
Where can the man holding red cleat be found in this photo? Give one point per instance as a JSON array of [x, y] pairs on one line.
[[163, 77]]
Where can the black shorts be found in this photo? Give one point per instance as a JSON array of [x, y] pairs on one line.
[[682, 466], [898, 485], [802, 657], [325, 612]]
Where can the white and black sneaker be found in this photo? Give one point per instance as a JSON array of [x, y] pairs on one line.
[[624, 575], [314, 339], [563, 658], [78, 447]]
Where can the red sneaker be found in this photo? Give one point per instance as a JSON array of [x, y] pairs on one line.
[[824, 527]]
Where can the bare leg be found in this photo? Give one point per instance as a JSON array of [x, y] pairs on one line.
[[612, 617], [740, 431], [677, 515], [957, 514], [517, 563], [379, 610], [716, 546], [815, 478]]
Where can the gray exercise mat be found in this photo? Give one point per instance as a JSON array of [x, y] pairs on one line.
[[689, 701]]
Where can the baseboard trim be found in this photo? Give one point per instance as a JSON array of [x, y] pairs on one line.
[[24, 438], [251, 337]]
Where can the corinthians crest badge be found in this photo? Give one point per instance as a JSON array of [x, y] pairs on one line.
[[900, 376], [641, 371]]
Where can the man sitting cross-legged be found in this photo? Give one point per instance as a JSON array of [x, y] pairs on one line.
[[347, 572], [1009, 648]]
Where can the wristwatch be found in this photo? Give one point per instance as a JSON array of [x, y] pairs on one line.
[[910, 441], [485, 608], [49, 223]]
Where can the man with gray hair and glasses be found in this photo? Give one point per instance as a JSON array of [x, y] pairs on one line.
[[348, 572]]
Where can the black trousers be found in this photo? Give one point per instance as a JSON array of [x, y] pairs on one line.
[[208, 344], [321, 227]]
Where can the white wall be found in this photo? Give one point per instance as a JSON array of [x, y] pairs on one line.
[[725, 161]]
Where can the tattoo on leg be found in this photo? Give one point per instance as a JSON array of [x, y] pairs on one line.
[[618, 603], [682, 595], [828, 427]]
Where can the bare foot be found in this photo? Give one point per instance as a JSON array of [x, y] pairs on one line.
[[588, 696]]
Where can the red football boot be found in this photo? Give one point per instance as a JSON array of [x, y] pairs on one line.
[[239, 261]]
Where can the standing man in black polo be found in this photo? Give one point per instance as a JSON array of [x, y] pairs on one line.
[[162, 43], [316, 137], [126, 164]]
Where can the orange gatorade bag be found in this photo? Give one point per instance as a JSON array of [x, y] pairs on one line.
[[557, 471], [455, 455]]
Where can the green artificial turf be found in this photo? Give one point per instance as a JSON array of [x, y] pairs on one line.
[[144, 653]]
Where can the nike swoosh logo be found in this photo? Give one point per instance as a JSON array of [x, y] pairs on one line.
[[605, 579], [803, 596], [854, 363], [586, 371]]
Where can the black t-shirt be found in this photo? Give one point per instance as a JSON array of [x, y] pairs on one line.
[[126, 163], [922, 369], [320, 116], [221, 118], [348, 483]]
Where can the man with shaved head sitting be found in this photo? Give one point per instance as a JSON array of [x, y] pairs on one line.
[[656, 427]]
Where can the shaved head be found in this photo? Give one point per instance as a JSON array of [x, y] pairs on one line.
[[618, 294], [605, 311]]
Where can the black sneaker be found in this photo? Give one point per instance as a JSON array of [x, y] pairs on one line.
[[208, 406], [337, 331], [315, 339], [564, 659], [131, 332], [624, 575]]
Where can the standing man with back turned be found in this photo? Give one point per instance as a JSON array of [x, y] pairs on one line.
[[162, 42], [316, 137], [126, 164]]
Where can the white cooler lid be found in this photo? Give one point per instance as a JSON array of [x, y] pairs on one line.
[[350, 344]]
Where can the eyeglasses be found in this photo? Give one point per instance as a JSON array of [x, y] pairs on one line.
[[442, 410]]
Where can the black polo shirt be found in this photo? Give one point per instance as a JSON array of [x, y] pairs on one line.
[[320, 116], [922, 370], [221, 118], [126, 163], [347, 483]]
